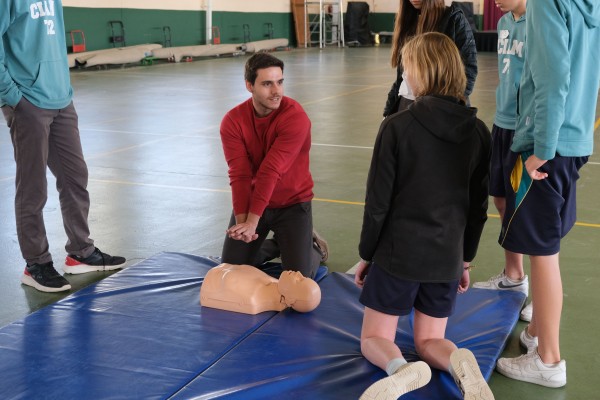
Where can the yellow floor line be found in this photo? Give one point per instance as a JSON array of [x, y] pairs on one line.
[[597, 124], [489, 215], [197, 189]]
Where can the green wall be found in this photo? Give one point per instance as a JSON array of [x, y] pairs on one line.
[[186, 27]]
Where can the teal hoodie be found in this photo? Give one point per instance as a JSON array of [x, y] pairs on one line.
[[561, 76], [511, 54], [33, 54]]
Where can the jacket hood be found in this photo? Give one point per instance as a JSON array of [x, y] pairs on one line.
[[455, 123], [590, 9]]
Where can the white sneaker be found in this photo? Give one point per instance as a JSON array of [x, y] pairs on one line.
[[530, 368], [409, 377], [503, 282], [526, 312], [527, 341], [467, 375]]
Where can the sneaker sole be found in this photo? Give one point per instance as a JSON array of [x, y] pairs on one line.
[[84, 268], [473, 385], [517, 288], [538, 381], [409, 378], [29, 281]]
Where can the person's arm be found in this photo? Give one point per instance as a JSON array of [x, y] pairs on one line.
[[391, 105], [380, 190], [293, 132], [465, 279], [240, 167], [465, 41], [549, 63], [9, 92], [478, 196]]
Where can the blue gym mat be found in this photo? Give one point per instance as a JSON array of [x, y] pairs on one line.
[[141, 334]]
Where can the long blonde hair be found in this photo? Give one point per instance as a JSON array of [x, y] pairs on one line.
[[434, 62], [410, 21]]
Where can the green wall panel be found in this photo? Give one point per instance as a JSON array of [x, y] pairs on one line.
[[187, 27]]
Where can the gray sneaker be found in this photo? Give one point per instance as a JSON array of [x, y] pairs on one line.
[[409, 377], [467, 375], [530, 368], [44, 278], [527, 341], [503, 282], [97, 261]]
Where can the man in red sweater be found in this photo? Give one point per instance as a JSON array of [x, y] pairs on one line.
[[266, 141]]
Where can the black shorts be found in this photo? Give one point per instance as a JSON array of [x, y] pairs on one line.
[[391, 295], [539, 213], [501, 154]]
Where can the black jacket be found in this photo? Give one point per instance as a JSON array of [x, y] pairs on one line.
[[427, 191], [455, 25]]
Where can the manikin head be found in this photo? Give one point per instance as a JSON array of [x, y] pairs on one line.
[[300, 293]]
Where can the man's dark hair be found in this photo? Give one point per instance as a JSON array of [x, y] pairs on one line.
[[260, 61]]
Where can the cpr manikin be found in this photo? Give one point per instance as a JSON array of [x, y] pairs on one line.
[[246, 289]]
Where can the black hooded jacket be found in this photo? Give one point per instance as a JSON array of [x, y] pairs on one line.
[[427, 191], [455, 25]]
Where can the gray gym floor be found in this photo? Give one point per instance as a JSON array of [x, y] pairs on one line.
[[158, 180]]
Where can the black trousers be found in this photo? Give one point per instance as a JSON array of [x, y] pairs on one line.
[[292, 241]]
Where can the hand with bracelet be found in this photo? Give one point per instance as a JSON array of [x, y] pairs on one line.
[[465, 280]]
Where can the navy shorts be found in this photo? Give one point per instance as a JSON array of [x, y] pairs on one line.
[[539, 213], [501, 156], [391, 295]]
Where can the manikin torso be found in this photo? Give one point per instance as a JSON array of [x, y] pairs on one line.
[[248, 290]]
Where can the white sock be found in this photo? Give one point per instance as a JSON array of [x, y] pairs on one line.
[[394, 365]]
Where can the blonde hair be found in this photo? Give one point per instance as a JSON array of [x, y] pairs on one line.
[[435, 65], [410, 21]]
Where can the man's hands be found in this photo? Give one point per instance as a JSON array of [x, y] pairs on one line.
[[245, 228]]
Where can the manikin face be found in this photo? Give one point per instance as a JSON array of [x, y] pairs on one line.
[[300, 293], [267, 90], [416, 4]]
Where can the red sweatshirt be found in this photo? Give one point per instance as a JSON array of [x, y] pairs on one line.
[[267, 157]]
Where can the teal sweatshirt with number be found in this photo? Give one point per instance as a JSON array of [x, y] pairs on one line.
[[511, 55], [33, 54]]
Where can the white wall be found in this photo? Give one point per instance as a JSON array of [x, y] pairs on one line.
[[378, 6]]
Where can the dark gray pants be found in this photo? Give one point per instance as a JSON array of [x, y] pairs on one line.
[[292, 241], [48, 139]]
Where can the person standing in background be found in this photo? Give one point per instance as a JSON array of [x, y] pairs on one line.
[[553, 140], [420, 16], [36, 100]]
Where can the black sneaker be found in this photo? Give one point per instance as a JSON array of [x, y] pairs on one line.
[[44, 278], [97, 261]]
